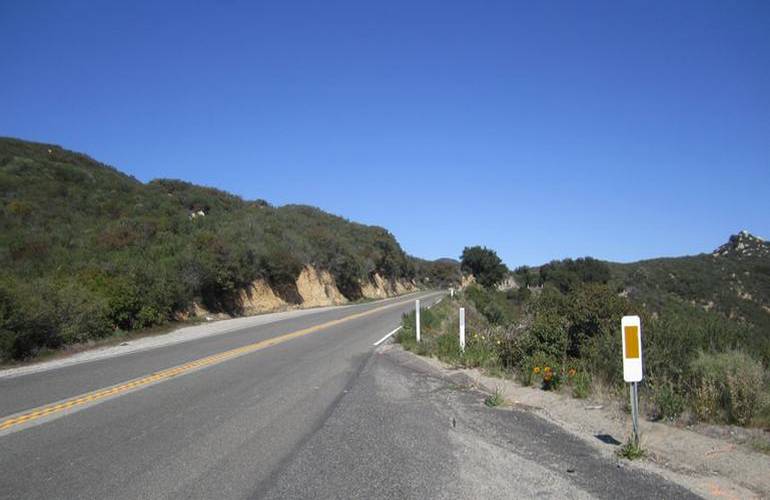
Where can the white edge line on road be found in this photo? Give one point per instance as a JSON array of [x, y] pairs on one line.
[[436, 303], [386, 337]]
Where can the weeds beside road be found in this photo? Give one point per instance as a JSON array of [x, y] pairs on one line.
[[711, 464], [697, 368]]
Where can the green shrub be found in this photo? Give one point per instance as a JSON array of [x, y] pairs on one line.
[[631, 450], [448, 348], [484, 264], [519, 296], [82, 315], [568, 274], [524, 374], [547, 337], [493, 305], [406, 336], [603, 359], [27, 320], [495, 399], [494, 313], [762, 417], [429, 320], [668, 401], [727, 386], [581, 384], [481, 350]]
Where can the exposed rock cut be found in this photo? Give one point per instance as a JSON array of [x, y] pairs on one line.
[[318, 288]]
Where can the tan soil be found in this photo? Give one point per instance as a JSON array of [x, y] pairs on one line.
[[375, 289], [467, 280], [317, 288], [259, 298], [402, 286], [381, 288]]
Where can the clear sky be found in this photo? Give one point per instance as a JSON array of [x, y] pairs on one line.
[[621, 130]]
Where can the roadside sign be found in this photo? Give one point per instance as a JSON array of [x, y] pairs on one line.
[[631, 333]]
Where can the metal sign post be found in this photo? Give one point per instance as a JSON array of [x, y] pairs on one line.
[[631, 335], [635, 412]]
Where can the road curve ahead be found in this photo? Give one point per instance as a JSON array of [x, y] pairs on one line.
[[297, 405], [214, 417]]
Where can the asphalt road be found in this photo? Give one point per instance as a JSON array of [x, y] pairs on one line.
[[304, 407]]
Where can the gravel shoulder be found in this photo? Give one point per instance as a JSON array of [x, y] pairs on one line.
[[406, 428], [708, 466]]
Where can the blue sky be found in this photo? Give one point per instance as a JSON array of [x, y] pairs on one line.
[[621, 130]]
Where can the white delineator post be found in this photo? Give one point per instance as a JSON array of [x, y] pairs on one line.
[[462, 329], [451, 293], [631, 338], [417, 318]]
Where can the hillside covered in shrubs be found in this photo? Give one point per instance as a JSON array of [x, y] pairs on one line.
[[706, 331], [733, 280], [86, 250]]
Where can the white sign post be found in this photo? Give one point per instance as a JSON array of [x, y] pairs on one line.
[[462, 329], [631, 334], [417, 318]]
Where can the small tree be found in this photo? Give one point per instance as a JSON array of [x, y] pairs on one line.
[[484, 264], [525, 277]]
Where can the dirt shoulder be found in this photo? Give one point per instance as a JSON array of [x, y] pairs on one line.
[[708, 466], [128, 346]]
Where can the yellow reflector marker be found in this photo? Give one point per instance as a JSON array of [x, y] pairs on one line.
[[632, 341]]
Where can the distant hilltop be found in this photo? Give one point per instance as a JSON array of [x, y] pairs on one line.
[[744, 244], [733, 280]]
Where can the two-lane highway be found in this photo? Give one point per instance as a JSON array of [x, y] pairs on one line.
[[296, 405], [214, 417]]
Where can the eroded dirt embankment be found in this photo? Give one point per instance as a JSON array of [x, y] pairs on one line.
[[313, 288]]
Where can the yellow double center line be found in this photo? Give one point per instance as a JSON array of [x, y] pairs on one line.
[[89, 397]]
